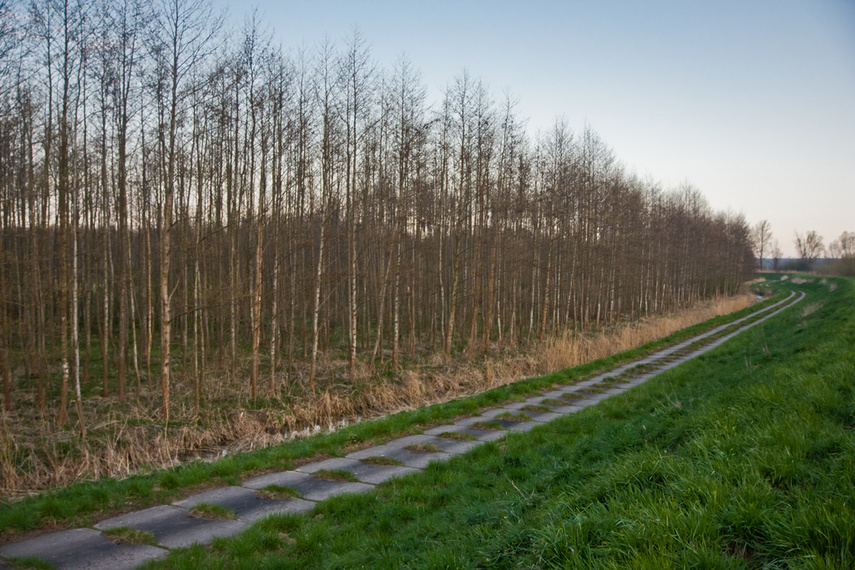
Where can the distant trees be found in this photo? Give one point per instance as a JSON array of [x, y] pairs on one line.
[[777, 254], [809, 246], [174, 205], [843, 251], [843, 247]]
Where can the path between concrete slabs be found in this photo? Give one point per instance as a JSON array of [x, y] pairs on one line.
[[178, 525]]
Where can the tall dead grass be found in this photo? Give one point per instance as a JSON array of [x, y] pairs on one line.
[[571, 350], [36, 456]]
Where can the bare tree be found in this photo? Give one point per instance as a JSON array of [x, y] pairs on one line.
[[777, 254], [843, 247], [809, 246], [185, 33], [761, 238]]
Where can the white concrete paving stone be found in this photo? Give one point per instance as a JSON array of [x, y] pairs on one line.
[[173, 526], [554, 393], [518, 406], [445, 428], [534, 400], [564, 410], [244, 502], [539, 417], [544, 417], [373, 474], [472, 420], [492, 413], [447, 445], [482, 435], [411, 440], [309, 487], [523, 426], [82, 548], [407, 457]]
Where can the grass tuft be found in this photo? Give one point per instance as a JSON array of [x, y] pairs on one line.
[[488, 425], [213, 512], [537, 409], [511, 417], [278, 492], [457, 436], [126, 535], [335, 475], [377, 460]]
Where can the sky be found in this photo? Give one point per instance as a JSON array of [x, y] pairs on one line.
[[750, 101]]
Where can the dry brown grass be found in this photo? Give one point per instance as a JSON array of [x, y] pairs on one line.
[[125, 438], [810, 309], [574, 349]]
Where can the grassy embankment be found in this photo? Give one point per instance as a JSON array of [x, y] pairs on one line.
[[741, 458], [82, 504]]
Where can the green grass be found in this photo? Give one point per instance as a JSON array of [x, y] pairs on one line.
[[82, 504], [335, 475], [280, 492], [714, 464], [213, 512], [518, 417], [457, 436], [537, 409]]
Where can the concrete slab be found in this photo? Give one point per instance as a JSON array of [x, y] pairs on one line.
[[491, 414], [174, 527], [454, 447], [504, 424], [309, 487], [467, 422], [372, 474], [82, 548], [557, 393], [482, 435], [539, 417], [597, 396], [523, 426], [543, 417], [564, 410], [405, 456], [245, 502], [533, 401]]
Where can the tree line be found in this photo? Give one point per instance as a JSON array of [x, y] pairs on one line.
[[810, 247], [179, 198]]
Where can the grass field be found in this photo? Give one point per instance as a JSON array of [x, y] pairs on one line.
[[741, 458]]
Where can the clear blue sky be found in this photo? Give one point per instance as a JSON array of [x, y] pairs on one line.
[[751, 101]]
